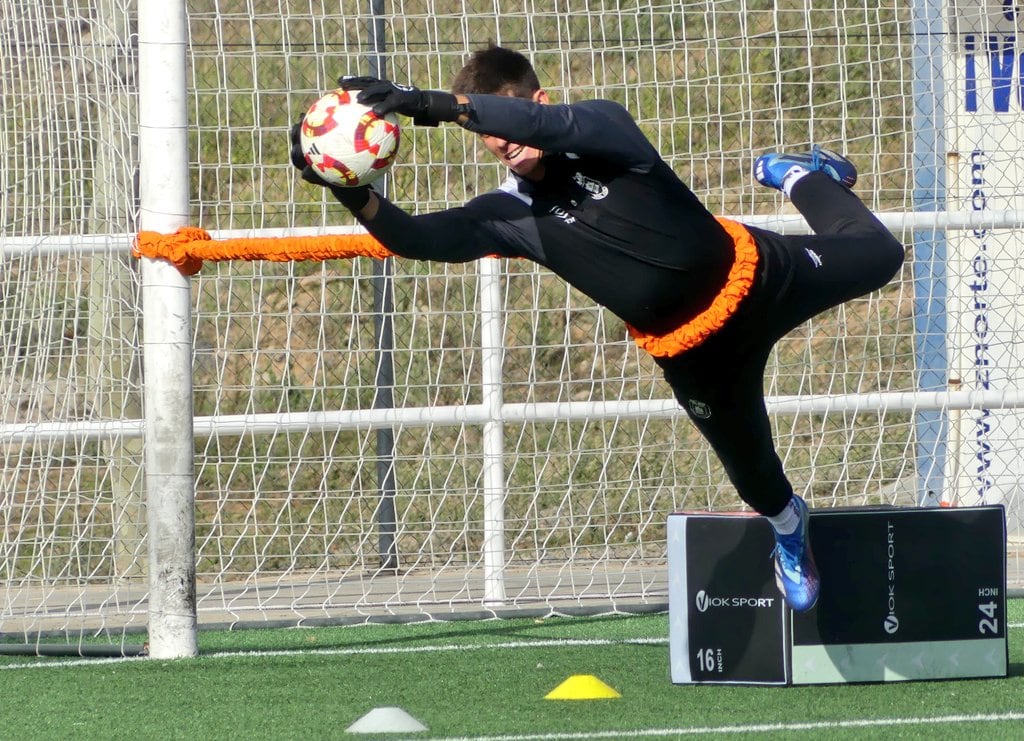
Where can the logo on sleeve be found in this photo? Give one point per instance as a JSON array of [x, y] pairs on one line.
[[699, 409]]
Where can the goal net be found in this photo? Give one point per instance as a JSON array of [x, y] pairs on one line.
[[407, 438]]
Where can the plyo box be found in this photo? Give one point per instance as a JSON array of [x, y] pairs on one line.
[[906, 593]]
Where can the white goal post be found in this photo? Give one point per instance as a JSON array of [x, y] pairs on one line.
[[353, 440]]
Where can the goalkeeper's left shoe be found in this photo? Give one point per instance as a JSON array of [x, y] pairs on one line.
[[773, 170], [795, 570]]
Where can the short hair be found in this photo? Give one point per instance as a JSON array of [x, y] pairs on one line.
[[497, 71]]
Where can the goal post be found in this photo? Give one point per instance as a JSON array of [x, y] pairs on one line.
[[929, 256], [222, 466], [166, 305]]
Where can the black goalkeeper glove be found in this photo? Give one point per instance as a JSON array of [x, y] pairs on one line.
[[353, 198], [426, 107]]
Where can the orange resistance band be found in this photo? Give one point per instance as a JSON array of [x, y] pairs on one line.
[[737, 286], [189, 246]]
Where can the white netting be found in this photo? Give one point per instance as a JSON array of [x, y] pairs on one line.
[[289, 521]]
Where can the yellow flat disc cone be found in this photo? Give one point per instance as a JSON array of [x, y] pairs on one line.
[[582, 687]]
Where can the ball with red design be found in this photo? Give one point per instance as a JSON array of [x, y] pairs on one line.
[[346, 142]]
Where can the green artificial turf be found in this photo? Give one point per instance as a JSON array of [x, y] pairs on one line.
[[471, 679]]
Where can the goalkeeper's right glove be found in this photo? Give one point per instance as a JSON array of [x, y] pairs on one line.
[[426, 107], [352, 198]]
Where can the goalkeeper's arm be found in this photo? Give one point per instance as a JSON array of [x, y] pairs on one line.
[[447, 236], [454, 235], [598, 127]]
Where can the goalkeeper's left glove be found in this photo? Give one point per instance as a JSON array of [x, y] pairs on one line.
[[352, 198], [426, 107]]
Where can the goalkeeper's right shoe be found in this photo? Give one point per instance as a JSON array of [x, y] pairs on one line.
[[773, 169], [795, 571]]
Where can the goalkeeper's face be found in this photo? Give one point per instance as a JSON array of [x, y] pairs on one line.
[[524, 161]]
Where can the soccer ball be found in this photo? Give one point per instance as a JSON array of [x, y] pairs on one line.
[[346, 142]]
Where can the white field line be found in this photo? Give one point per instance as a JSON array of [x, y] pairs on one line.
[[827, 725], [380, 650], [377, 650]]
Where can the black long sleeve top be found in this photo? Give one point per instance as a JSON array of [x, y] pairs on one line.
[[608, 215]]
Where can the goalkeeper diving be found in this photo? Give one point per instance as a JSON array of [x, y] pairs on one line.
[[589, 197]]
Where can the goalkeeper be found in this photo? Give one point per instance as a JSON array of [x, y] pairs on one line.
[[590, 198]]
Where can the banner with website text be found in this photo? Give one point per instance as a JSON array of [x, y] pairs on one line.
[[985, 124]]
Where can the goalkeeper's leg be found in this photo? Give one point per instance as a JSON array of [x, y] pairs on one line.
[[721, 391]]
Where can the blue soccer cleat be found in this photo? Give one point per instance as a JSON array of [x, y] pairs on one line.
[[773, 169], [795, 571]]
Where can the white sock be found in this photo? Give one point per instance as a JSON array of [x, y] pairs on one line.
[[787, 521], [791, 178]]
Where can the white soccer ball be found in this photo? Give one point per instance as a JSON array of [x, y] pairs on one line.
[[346, 142]]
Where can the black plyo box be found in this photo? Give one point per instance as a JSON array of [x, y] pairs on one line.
[[906, 593]]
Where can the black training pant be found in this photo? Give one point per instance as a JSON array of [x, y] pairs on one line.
[[720, 383]]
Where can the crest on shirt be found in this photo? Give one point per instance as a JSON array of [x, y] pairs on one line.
[[595, 188]]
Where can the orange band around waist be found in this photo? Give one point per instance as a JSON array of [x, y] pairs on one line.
[[724, 305]]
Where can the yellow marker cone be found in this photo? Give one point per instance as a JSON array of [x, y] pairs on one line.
[[582, 687]]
